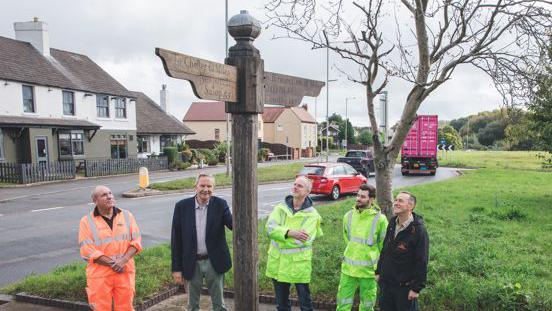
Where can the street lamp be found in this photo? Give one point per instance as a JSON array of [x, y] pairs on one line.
[[347, 122], [328, 113]]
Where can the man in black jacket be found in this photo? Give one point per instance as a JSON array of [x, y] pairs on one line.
[[198, 243], [402, 266]]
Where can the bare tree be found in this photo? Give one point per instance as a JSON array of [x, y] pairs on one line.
[[421, 42]]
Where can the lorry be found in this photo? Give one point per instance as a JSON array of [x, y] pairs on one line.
[[419, 150], [360, 160]]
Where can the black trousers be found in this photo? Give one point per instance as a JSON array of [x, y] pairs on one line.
[[282, 296], [395, 298]]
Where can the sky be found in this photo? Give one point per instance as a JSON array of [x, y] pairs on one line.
[[121, 37]]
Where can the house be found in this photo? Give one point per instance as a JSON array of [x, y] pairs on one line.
[[208, 121], [293, 127], [59, 105], [156, 128], [333, 133]]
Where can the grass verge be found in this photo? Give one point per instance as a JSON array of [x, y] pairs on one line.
[[515, 160], [490, 247], [68, 282], [264, 174]]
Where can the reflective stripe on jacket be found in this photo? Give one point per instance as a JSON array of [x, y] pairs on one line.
[[97, 239], [364, 233], [289, 260]]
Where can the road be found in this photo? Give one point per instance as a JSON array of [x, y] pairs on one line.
[[38, 225]]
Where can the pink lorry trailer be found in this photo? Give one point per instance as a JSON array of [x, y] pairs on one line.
[[419, 150]]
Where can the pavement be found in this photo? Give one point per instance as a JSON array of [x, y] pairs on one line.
[[174, 303]]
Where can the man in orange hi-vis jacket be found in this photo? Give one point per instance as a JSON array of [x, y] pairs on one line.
[[108, 238]]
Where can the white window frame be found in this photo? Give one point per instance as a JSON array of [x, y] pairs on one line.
[[98, 96], [23, 86], [118, 101], [63, 92]]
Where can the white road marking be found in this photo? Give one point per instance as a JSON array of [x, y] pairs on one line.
[[47, 209], [279, 188], [162, 195], [273, 202]]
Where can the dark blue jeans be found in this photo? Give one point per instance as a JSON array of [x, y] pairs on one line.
[[395, 298], [282, 296]]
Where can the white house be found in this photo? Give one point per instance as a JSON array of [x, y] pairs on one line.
[[57, 104]]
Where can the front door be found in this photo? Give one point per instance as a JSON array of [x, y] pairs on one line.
[[41, 149]]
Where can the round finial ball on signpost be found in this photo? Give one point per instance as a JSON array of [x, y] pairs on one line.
[[244, 26]]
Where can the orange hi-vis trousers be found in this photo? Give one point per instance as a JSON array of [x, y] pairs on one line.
[[96, 239]]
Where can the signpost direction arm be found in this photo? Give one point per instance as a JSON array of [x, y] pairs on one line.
[[287, 90], [209, 80]]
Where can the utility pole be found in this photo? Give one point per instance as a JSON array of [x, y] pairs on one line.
[[327, 103], [347, 122], [468, 134]]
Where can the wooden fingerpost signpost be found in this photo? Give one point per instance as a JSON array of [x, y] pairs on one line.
[[245, 87]]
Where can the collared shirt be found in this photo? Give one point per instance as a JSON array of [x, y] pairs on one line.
[[401, 227], [109, 221], [201, 227]]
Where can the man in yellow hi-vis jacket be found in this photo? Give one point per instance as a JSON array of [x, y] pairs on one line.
[[292, 228], [364, 230]]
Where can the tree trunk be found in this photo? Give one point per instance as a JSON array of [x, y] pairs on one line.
[[384, 181]]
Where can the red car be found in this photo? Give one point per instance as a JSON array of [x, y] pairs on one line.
[[333, 179]]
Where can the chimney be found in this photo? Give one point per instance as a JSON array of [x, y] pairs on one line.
[[36, 33], [164, 97]]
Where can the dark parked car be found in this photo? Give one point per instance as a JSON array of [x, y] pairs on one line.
[[361, 160], [333, 179]]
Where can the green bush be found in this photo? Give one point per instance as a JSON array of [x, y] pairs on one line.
[[210, 157], [220, 151], [262, 154], [187, 155], [171, 154], [184, 165]]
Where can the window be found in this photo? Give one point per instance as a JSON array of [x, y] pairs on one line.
[[217, 134], [71, 143], [167, 141], [28, 99], [339, 170], [68, 103], [1, 145], [120, 108], [102, 106], [279, 127], [143, 144], [118, 147], [350, 171]]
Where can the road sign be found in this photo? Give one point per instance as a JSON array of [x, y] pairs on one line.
[[288, 90], [216, 81], [209, 80], [450, 147]]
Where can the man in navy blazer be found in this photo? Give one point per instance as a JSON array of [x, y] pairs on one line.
[[198, 243]]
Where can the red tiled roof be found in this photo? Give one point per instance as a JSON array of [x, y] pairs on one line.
[[303, 115], [271, 114], [206, 111]]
